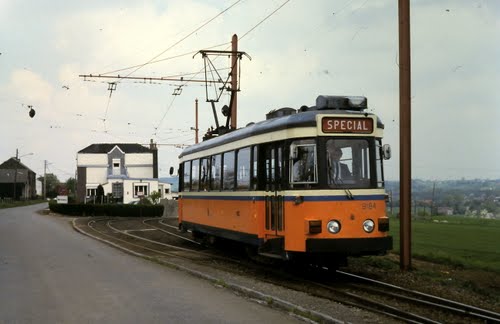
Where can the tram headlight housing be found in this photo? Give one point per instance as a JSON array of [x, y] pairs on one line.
[[333, 226], [368, 226]]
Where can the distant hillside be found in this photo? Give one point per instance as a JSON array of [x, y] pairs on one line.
[[463, 197]]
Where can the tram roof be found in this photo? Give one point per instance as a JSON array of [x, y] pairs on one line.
[[300, 119]]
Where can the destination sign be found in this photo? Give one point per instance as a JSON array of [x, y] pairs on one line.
[[346, 125]]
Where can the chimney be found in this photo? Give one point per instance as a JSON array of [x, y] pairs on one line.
[[153, 147]]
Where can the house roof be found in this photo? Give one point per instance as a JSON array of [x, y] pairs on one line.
[[107, 147], [13, 163]]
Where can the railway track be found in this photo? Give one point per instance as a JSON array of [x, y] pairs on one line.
[[155, 238], [397, 302], [467, 312]]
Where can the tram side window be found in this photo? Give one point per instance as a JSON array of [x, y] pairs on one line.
[[204, 167], [255, 168], [380, 170], [270, 168], [243, 169], [195, 175], [280, 170], [228, 171], [215, 174], [186, 178], [303, 162]]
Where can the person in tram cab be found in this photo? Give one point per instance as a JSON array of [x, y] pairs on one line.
[[302, 169], [338, 171]]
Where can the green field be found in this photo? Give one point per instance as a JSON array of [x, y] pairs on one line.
[[459, 241]]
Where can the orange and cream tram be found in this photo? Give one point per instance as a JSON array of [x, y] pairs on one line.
[[303, 184]]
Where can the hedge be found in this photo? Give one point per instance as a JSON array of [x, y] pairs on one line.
[[107, 210]]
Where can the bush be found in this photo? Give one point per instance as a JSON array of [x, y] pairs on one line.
[[107, 210]]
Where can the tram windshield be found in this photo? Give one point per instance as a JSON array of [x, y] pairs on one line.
[[348, 163], [340, 163]]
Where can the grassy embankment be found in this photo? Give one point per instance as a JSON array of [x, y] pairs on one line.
[[458, 241], [10, 204]]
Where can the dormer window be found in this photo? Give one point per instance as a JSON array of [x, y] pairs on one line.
[[116, 167]]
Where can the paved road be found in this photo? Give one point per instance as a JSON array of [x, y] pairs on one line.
[[51, 274]]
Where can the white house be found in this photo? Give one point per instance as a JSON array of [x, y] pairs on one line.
[[166, 190], [126, 171]]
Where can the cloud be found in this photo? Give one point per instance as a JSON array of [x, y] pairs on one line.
[[298, 53], [31, 86]]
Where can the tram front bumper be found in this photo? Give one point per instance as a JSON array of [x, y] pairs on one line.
[[351, 246]]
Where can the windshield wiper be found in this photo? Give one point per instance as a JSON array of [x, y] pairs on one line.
[[348, 193]]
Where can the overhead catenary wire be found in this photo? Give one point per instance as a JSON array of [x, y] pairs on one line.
[[193, 74], [190, 53]]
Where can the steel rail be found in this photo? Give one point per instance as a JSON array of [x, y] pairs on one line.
[[145, 222]]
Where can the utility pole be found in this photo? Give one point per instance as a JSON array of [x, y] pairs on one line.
[[14, 194], [392, 203], [405, 133], [45, 180], [234, 81], [196, 129], [433, 192]]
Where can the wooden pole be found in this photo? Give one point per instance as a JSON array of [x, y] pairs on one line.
[[234, 81], [405, 134], [196, 122]]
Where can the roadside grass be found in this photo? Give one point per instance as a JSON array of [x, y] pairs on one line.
[[10, 204], [461, 242]]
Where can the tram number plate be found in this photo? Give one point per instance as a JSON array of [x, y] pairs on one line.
[[346, 125], [370, 205]]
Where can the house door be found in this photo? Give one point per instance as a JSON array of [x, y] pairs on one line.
[[117, 189]]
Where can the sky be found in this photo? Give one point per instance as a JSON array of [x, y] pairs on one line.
[[297, 50]]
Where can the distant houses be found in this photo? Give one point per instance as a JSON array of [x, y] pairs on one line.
[[17, 181], [447, 211]]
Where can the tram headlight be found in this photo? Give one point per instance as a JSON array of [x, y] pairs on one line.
[[333, 226], [368, 226]]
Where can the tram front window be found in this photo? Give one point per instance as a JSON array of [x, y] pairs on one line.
[[348, 163]]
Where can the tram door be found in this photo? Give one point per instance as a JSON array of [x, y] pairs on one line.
[[274, 175]]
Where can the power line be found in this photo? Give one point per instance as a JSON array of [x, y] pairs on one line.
[[184, 38], [194, 75], [267, 17]]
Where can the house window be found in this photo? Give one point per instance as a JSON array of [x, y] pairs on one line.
[[91, 192], [140, 190]]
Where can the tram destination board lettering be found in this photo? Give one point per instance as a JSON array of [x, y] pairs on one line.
[[347, 125]]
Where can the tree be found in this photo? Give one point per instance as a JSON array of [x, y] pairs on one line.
[[155, 197], [71, 185], [51, 184], [99, 194]]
